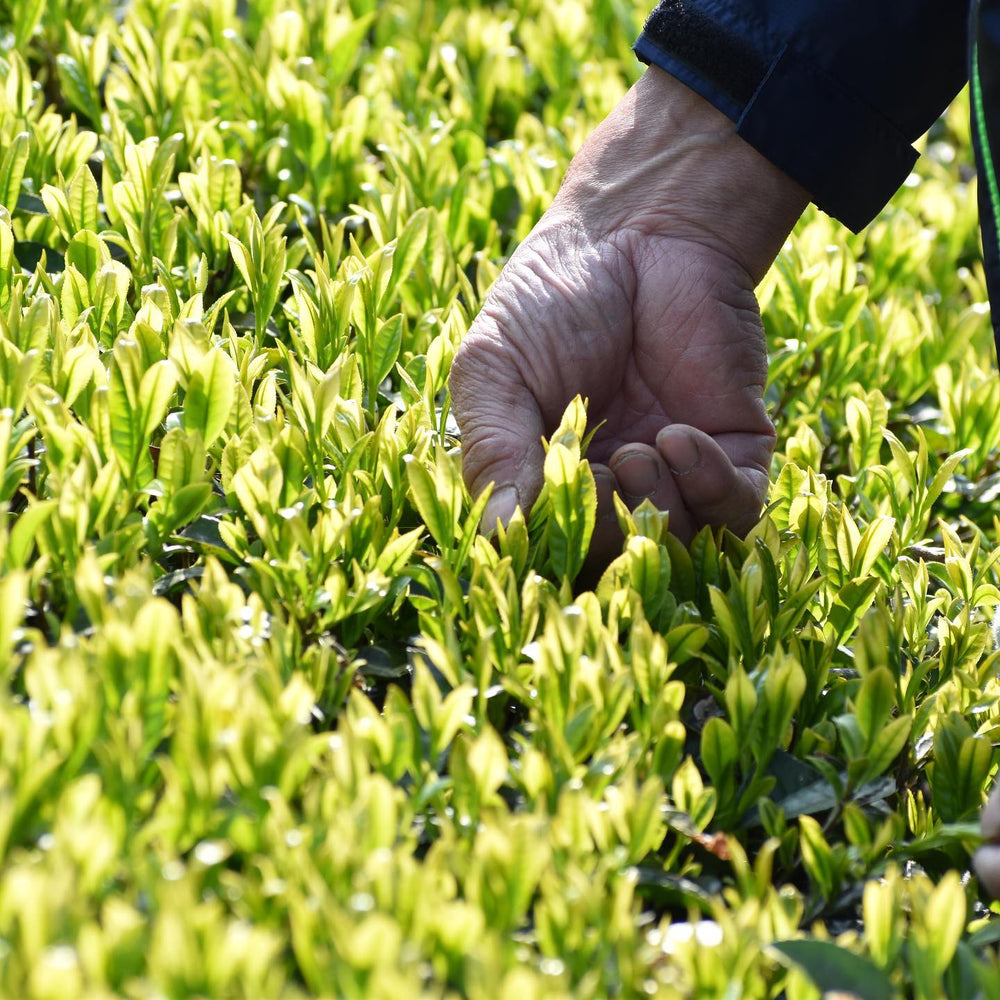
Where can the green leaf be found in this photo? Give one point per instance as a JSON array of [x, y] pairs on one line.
[[408, 247], [210, 395], [488, 763], [29, 13], [258, 483], [82, 199], [959, 769], [818, 857], [875, 702], [944, 917], [836, 970], [573, 502], [784, 686], [75, 295], [786, 487], [877, 536], [155, 392], [902, 460], [648, 572], [685, 641], [943, 474], [852, 601], [123, 400], [13, 595], [24, 536], [111, 292], [888, 745], [241, 258], [427, 497], [719, 750], [12, 166], [882, 915], [805, 515], [647, 825], [76, 87], [385, 349], [30, 204], [181, 507], [741, 703], [87, 252]]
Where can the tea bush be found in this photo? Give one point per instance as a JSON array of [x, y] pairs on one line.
[[275, 721]]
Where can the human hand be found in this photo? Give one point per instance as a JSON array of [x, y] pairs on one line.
[[636, 291], [986, 860]]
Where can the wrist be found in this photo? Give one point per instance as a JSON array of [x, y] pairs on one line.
[[666, 162]]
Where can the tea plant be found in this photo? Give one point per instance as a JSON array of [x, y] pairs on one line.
[[276, 720]]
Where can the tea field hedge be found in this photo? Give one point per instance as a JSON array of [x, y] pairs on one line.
[[276, 721]]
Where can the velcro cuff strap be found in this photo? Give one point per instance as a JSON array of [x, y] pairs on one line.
[[700, 80]]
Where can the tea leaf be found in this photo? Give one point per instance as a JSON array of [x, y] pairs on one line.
[[14, 161], [834, 969], [210, 395]]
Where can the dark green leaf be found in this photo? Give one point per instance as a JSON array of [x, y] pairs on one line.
[[835, 969]]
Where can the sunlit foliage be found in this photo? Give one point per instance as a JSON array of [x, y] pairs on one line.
[[275, 721]]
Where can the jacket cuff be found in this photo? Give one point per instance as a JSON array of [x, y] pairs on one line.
[[849, 157]]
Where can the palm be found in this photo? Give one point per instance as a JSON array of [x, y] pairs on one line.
[[653, 331]]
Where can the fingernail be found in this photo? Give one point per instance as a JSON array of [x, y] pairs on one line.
[[986, 862], [989, 818], [680, 452], [500, 507], [637, 473]]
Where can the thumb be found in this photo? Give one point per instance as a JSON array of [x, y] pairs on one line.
[[719, 485], [501, 426]]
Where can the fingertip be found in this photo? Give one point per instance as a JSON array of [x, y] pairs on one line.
[[986, 862], [642, 474], [680, 448], [502, 504], [688, 451], [505, 454], [989, 818], [714, 488], [638, 471]]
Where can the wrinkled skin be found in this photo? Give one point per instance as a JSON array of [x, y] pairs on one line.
[[636, 291], [661, 335], [986, 860]]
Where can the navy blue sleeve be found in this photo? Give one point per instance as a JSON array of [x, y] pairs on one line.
[[834, 92]]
